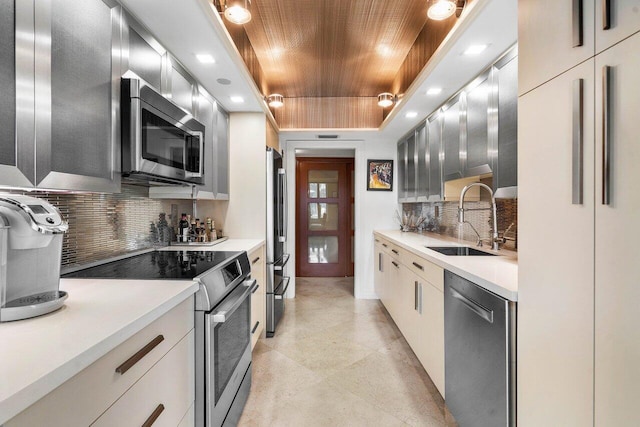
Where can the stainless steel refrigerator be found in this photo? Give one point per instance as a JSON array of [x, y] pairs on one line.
[[277, 281]]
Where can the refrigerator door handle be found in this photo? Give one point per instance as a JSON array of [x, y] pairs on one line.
[[282, 205]]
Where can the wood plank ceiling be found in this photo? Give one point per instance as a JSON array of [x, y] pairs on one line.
[[331, 58]]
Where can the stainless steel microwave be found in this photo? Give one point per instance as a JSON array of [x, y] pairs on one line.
[[160, 141]]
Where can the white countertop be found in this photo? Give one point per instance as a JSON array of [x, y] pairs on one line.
[[228, 245], [37, 355], [498, 274]]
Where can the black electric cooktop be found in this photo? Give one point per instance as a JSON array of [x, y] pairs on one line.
[[156, 265]]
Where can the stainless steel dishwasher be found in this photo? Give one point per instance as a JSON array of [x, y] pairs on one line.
[[480, 364]]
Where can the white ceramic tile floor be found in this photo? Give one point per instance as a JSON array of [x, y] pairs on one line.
[[338, 361]]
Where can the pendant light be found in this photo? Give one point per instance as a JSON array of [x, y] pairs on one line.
[[237, 11]]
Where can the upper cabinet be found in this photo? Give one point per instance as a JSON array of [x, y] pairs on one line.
[[222, 156], [141, 54], [16, 159], [452, 167], [562, 34], [180, 87], [474, 134], [59, 124], [78, 77], [505, 166]]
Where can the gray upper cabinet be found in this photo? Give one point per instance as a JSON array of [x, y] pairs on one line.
[[141, 54], [222, 156], [477, 135], [422, 164], [451, 140], [179, 86], [402, 170], [77, 139], [60, 84], [434, 137], [505, 174], [207, 114], [16, 145]]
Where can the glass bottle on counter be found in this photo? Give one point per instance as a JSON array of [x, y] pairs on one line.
[[183, 229]]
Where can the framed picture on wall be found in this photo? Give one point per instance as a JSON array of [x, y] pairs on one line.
[[379, 175]]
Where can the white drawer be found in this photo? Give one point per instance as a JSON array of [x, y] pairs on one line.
[[167, 391], [427, 270], [82, 399]]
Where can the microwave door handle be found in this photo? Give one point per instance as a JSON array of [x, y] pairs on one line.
[[200, 155]]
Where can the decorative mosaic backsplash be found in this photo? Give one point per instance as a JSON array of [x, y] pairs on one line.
[[107, 225], [442, 218]]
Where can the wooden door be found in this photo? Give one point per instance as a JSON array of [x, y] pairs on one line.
[[324, 223]]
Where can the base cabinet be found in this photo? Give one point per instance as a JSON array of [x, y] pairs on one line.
[[258, 298], [100, 395], [411, 289]]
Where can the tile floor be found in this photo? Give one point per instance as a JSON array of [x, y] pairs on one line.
[[338, 361]]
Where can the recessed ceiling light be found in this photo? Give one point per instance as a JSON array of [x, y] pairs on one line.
[[205, 58], [433, 91], [441, 9], [237, 99], [384, 50], [475, 49], [225, 82], [411, 114]]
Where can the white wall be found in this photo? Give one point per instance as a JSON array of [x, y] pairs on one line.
[[247, 206], [373, 209]]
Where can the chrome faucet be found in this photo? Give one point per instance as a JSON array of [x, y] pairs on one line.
[[495, 245]]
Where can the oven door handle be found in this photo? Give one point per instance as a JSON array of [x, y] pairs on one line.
[[233, 301]]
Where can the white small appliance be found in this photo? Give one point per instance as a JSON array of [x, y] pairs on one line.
[[31, 233]]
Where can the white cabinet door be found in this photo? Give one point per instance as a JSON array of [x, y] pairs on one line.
[[411, 309], [617, 336], [556, 286], [546, 39], [624, 20], [430, 327]]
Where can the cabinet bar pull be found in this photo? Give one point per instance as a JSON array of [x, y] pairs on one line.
[[418, 266], [394, 251], [253, 331], [255, 289], [154, 416], [577, 148], [379, 261], [385, 245], [416, 296], [606, 143], [139, 355], [420, 298], [255, 260], [606, 14], [395, 264], [578, 29]]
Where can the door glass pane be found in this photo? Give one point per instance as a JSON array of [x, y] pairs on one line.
[[313, 190], [323, 249], [323, 216], [326, 181]]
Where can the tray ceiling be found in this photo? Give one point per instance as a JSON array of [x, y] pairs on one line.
[[333, 48]]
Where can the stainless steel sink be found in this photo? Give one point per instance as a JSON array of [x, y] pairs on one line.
[[458, 251]]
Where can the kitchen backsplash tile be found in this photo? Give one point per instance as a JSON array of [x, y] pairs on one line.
[[107, 225], [446, 220]]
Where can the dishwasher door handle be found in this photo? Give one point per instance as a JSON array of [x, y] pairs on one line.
[[473, 306]]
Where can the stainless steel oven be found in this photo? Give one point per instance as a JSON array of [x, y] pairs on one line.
[[223, 343], [160, 141]]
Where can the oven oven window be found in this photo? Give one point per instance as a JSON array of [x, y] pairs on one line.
[[162, 142], [231, 341]]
